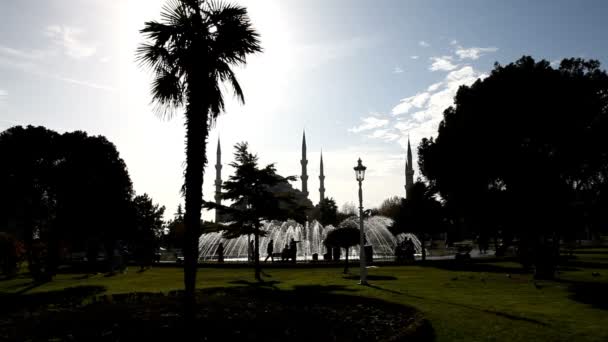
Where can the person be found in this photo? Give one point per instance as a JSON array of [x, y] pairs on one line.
[[285, 253], [410, 249], [293, 249], [269, 250], [250, 250], [220, 252]]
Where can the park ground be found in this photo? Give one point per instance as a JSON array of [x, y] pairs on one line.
[[487, 300]]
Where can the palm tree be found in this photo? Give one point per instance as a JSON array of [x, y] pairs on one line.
[[191, 53]]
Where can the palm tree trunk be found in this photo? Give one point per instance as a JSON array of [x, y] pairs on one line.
[[196, 138]]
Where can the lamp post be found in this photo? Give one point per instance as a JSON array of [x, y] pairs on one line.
[[360, 175]]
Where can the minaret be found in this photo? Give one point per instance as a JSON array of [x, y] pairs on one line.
[[321, 181], [218, 180], [409, 171], [304, 162]]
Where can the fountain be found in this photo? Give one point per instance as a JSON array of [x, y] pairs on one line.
[[311, 238]]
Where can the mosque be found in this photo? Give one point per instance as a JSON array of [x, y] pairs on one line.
[[409, 173]]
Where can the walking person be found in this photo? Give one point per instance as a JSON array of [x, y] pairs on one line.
[[270, 250]]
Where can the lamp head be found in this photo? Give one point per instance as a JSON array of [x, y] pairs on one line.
[[360, 171]]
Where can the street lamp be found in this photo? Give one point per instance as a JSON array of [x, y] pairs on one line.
[[360, 175]]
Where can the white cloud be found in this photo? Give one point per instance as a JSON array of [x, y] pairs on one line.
[[414, 57], [3, 95], [406, 104], [473, 52], [424, 122], [10, 52], [434, 86], [68, 38], [397, 70], [443, 63], [420, 114], [384, 134], [454, 42], [423, 43], [369, 123]]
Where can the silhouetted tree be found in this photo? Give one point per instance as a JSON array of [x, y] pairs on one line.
[[175, 226], [149, 225], [347, 210], [390, 207], [420, 214], [11, 253], [257, 195], [326, 212], [530, 144], [62, 190], [191, 53], [345, 236]]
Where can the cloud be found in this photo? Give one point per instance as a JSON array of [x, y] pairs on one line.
[[454, 42], [473, 52], [384, 134], [414, 57], [3, 95], [419, 115], [434, 86], [424, 44], [10, 52], [424, 121], [68, 38], [319, 54], [443, 63], [397, 70], [406, 104], [84, 83], [369, 123]]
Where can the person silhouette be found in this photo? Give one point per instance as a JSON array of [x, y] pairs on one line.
[[269, 250], [220, 252], [293, 250], [285, 253]]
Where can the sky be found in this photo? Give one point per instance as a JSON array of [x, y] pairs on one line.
[[359, 77]]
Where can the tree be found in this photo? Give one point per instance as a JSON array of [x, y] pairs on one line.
[[390, 207], [175, 227], [347, 210], [257, 195], [532, 148], [63, 190], [326, 212], [148, 221], [345, 236], [420, 214], [191, 53]]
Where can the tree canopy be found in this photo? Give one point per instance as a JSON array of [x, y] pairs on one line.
[[345, 236], [191, 52], [525, 150], [529, 144], [257, 194], [70, 188]]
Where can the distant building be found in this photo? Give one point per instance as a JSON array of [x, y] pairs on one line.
[[409, 171]]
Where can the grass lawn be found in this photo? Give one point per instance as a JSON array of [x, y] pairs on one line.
[[484, 301]]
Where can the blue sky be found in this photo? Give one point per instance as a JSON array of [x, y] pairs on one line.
[[359, 76]]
